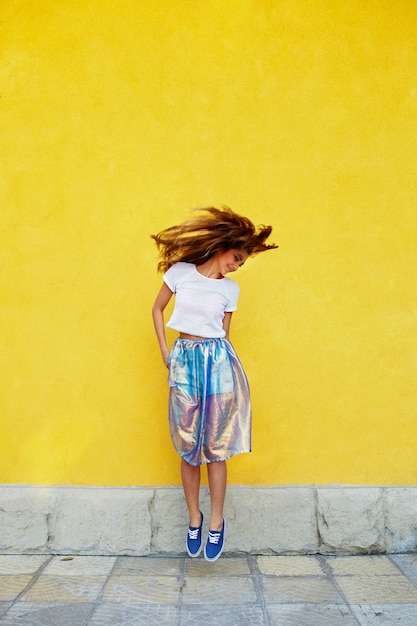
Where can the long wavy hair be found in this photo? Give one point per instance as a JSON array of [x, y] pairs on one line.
[[199, 238]]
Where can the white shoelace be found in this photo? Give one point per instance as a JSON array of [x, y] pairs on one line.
[[214, 537], [193, 534]]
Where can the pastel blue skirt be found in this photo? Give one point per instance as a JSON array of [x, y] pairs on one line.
[[210, 414]]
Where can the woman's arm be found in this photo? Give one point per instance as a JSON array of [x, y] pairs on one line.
[[162, 299], [226, 323]]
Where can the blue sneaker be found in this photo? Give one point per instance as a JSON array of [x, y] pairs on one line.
[[215, 543], [193, 542]]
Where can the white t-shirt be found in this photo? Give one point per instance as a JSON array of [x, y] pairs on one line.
[[200, 302]]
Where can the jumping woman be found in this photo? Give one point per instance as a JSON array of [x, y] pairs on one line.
[[209, 402]]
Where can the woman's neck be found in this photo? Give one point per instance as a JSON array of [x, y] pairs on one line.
[[210, 269]]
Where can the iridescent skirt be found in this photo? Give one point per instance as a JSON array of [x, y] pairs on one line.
[[210, 413]]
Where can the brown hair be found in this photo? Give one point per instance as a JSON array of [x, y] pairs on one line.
[[196, 240]]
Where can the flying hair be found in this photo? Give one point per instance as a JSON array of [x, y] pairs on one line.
[[211, 230]]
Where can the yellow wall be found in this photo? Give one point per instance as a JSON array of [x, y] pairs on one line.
[[116, 119]]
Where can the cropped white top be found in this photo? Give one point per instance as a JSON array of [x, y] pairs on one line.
[[200, 302]]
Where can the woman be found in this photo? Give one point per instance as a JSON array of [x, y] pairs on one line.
[[209, 402]]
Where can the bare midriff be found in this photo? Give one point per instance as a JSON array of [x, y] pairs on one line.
[[193, 337]]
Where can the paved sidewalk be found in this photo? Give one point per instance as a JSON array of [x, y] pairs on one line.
[[235, 590]]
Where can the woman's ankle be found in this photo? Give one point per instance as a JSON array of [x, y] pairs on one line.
[[196, 519]]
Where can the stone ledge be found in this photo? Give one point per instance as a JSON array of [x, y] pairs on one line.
[[261, 520]]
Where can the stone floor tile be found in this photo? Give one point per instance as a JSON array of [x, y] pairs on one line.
[[134, 615], [310, 615], [4, 607], [362, 566], [377, 589], [407, 563], [281, 590], [145, 566], [142, 590], [65, 589], [21, 563], [222, 616], [11, 586], [80, 566], [289, 565], [218, 590], [230, 566], [386, 614], [41, 614]]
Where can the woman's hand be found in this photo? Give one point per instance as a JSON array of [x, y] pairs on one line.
[[165, 355]]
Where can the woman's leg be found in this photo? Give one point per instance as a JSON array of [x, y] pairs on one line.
[[190, 475], [217, 477]]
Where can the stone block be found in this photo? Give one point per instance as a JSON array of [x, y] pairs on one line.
[[24, 519], [271, 520], [350, 520], [401, 519], [102, 521], [170, 518]]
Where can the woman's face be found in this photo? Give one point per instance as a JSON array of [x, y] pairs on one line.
[[231, 260]]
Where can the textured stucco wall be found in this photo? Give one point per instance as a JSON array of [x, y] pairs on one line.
[[116, 119]]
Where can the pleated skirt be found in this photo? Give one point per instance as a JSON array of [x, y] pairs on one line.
[[210, 414]]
